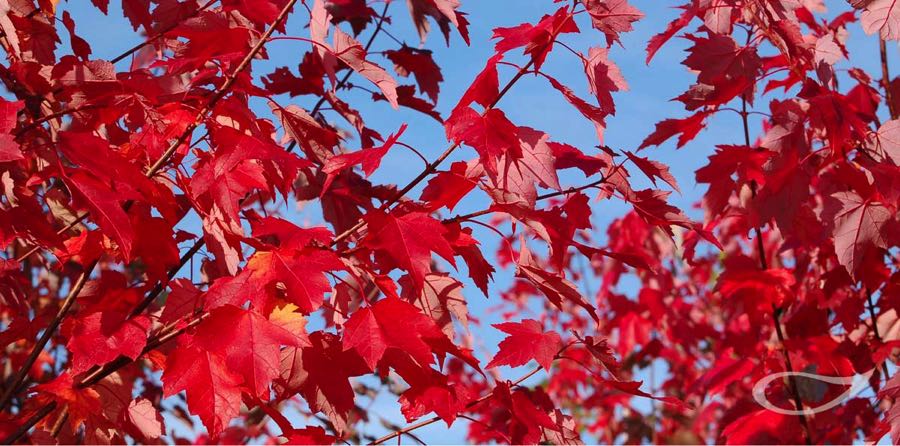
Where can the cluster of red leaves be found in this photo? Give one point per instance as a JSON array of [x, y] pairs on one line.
[[104, 165]]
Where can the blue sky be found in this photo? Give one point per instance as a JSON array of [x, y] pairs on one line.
[[532, 102]]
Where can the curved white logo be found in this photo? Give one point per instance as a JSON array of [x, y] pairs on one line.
[[856, 382]]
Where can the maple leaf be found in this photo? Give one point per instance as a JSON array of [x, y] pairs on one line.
[[183, 299], [309, 435], [686, 128], [537, 39], [881, 16], [370, 158], [146, 422], [321, 372], [100, 337], [612, 17], [656, 42], [394, 324], [84, 404], [9, 149], [887, 140], [349, 51], [443, 12], [554, 286], [527, 340], [490, 134], [419, 63], [604, 78], [858, 226], [440, 298], [485, 89], [407, 241], [653, 170], [249, 344], [106, 208], [213, 391], [446, 188]]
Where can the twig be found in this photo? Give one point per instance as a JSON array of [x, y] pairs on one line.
[[871, 306], [886, 79], [45, 337], [435, 419], [159, 34], [776, 311], [29, 423]]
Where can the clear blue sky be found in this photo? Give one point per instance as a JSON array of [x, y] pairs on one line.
[[531, 102]]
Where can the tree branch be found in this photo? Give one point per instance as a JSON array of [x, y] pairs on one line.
[[776, 311], [435, 419], [886, 79]]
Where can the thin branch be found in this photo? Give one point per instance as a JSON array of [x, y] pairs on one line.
[[159, 34], [440, 159], [29, 423], [886, 79], [435, 419], [48, 333], [872, 315], [163, 159], [776, 311]]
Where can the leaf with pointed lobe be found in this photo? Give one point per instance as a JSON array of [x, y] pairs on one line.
[[858, 226], [527, 340], [419, 63], [100, 337], [105, 208], [490, 134], [213, 391], [321, 373], [604, 78], [686, 129], [464, 245], [9, 148], [653, 170], [309, 435], [446, 188], [537, 39], [595, 114], [84, 404], [351, 52], [145, 420], [394, 324], [249, 343], [555, 286], [656, 42], [444, 12], [406, 97], [612, 17], [441, 297], [881, 16], [370, 158], [887, 140], [407, 241], [485, 88]]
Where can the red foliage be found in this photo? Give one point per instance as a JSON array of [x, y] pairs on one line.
[[107, 166]]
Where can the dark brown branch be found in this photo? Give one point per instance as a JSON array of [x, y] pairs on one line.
[[776, 311], [29, 423], [871, 305], [886, 79], [48, 333], [159, 34]]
